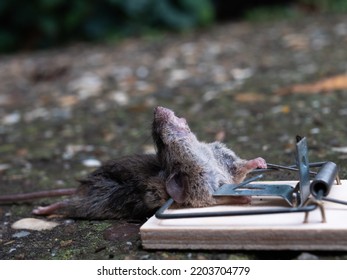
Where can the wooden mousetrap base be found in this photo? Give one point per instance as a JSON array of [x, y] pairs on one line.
[[257, 232]]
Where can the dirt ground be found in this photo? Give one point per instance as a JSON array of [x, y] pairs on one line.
[[254, 86]]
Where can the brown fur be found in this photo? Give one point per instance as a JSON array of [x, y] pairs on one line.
[[194, 169], [184, 168]]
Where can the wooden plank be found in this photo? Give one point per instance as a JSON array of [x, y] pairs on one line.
[[258, 232]]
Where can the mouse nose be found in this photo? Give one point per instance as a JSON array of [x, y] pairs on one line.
[[157, 110], [160, 109], [162, 112]]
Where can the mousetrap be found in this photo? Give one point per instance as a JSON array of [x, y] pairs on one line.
[[308, 214]]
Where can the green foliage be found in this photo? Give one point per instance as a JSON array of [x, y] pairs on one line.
[[327, 5], [271, 13], [297, 9], [43, 23]]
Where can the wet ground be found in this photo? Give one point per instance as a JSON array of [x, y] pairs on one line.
[[254, 86]]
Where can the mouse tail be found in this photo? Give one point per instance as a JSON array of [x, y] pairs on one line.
[[22, 197]]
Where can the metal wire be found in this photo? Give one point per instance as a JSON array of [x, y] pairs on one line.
[[333, 200], [161, 215], [277, 167]]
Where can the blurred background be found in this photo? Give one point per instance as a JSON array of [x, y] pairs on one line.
[[79, 80], [45, 23]]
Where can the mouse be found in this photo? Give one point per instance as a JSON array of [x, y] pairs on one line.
[[133, 187], [193, 169]]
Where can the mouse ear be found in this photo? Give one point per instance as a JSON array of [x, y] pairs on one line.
[[176, 186]]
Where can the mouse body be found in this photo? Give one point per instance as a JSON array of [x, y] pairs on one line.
[[134, 187]]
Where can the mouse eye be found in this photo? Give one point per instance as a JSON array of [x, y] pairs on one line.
[[230, 164]]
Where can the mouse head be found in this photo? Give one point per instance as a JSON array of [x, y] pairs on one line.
[[194, 170], [168, 131]]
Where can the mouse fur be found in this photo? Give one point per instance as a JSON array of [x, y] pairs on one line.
[[134, 187]]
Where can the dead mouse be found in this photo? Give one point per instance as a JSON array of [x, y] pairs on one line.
[[133, 187], [194, 170]]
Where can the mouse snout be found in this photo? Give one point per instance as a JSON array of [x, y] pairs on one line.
[[161, 113]]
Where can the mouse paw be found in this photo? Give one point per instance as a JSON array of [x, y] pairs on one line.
[[256, 163], [50, 209], [41, 210]]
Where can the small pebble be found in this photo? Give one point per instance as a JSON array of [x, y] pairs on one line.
[[12, 250], [91, 163], [34, 224], [144, 257], [148, 149], [342, 150], [88, 85], [142, 72], [307, 256], [54, 252], [179, 75], [241, 74], [12, 118], [315, 130], [21, 234], [120, 97], [4, 166]]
